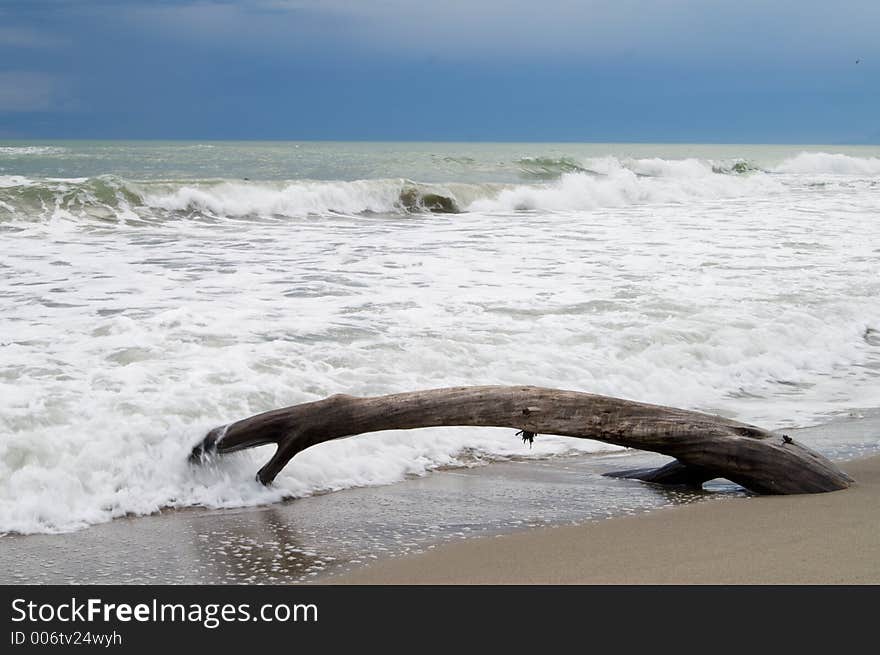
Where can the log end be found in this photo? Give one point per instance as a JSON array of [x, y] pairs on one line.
[[790, 467], [208, 446], [773, 465]]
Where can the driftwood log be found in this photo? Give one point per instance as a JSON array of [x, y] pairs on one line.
[[704, 446]]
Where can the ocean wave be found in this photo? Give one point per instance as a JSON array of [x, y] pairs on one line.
[[301, 199], [558, 184], [641, 182], [736, 167], [23, 151], [807, 163], [110, 198], [549, 167], [101, 198], [237, 199], [15, 181], [690, 168]]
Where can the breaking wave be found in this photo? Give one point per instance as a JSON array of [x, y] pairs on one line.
[[559, 184], [618, 183], [19, 151], [113, 198], [543, 168], [807, 163]]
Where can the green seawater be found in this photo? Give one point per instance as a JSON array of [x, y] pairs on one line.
[[474, 163]]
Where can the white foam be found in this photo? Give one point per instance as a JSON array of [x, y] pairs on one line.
[[631, 182], [234, 199], [12, 181], [122, 344], [17, 151], [681, 168], [807, 163], [607, 182]]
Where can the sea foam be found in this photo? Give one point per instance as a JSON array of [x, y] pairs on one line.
[[139, 314], [23, 151], [830, 163]]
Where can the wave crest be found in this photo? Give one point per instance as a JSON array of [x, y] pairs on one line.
[[110, 197], [543, 168], [559, 184], [618, 183], [19, 151], [829, 163]]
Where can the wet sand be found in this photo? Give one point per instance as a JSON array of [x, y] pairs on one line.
[[816, 539]]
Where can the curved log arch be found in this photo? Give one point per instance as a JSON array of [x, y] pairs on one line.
[[704, 446]]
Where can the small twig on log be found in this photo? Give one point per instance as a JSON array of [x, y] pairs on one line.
[[527, 436]]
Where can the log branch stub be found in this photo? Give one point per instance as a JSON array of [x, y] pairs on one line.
[[704, 446], [673, 474]]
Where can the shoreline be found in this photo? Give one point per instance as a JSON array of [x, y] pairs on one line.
[[352, 534], [829, 538], [300, 540]]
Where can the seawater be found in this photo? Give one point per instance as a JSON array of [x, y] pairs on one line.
[[151, 291]]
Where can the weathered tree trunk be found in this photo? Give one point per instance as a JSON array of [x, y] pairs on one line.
[[704, 446]]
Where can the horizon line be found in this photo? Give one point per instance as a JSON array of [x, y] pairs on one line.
[[4, 139]]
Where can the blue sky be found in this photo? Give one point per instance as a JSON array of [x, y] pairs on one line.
[[554, 70]]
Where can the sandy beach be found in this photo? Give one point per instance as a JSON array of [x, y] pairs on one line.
[[829, 538]]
